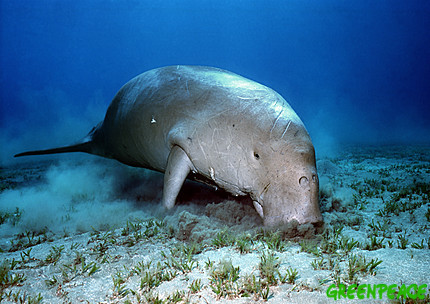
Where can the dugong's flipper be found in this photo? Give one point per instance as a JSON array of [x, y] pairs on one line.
[[178, 167]]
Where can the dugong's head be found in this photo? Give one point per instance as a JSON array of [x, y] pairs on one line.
[[286, 183], [280, 175]]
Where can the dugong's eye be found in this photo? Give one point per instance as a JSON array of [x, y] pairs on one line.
[[256, 155], [303, 181]]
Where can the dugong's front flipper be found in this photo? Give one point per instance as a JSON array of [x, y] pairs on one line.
[[177, 170]]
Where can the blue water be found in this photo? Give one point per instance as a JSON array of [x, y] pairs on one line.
[[354, 71]]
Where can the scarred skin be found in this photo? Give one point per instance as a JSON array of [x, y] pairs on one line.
[[200, 121]]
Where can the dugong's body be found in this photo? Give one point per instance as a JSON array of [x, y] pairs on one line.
[[235, 133]]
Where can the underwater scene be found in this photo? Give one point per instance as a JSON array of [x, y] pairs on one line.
[[214, 151]]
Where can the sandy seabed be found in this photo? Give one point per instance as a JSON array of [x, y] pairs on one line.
[[91, 231]]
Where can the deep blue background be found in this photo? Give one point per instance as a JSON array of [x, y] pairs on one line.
[[354, 71]]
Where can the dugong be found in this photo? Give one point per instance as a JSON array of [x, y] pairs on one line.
[[214, 126]]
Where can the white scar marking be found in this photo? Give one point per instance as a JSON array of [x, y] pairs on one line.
[[286, 129], [212, 173], [245, 97], [276, 120], [203, 150], [153, 121], [213, 116], [186, 84]]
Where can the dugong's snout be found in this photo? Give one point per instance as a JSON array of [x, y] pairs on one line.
[[297, 200], [308, 207], [306, 212]]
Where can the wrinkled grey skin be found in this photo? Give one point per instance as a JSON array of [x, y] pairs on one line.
[[205, 122]]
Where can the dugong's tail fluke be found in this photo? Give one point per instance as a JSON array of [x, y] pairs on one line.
[[81, 147]]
